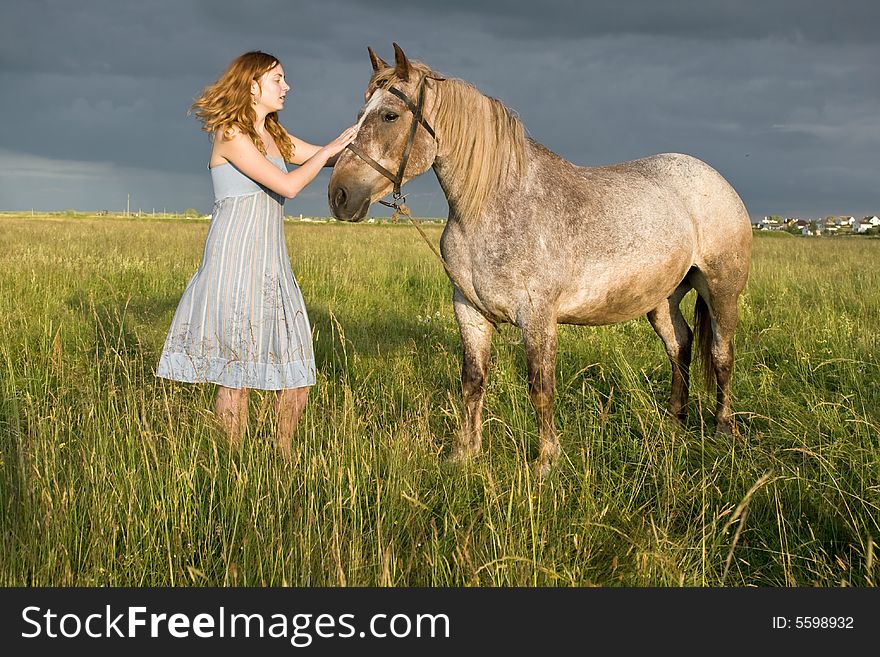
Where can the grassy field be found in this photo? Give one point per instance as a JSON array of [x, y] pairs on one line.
[[109, 476]]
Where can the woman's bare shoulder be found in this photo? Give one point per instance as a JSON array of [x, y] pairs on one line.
[[225, 140], [227, 134]]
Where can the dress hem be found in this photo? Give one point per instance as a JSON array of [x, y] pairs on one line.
[[236, 374]]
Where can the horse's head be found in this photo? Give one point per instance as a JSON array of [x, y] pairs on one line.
[[395, 142]]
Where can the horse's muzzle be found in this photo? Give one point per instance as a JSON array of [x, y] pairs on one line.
[[347, 205]]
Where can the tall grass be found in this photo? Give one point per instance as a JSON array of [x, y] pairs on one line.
[[109, 476]]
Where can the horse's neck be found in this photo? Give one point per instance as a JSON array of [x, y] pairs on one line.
[[482, 150], [451, 175]]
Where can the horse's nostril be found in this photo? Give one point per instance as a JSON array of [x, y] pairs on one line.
[[340, 198]]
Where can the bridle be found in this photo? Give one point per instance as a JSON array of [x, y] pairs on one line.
[[418, 119], [397, 197]]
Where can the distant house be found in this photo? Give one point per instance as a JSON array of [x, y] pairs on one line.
[[819, 226], [769, 223]]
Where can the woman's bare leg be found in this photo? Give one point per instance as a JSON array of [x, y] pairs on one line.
[[231, 406], [289, 406]]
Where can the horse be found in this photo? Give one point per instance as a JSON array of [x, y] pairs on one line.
[[534, 240]]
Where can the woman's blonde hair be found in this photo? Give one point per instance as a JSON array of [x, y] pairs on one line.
[[228, 104]]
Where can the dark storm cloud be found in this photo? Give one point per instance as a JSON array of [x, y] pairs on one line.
[[780, 96], [812, 20], [169, 38]]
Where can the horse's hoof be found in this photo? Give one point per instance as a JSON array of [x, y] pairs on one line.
[[725, 430], [462, 455], [675, 423], [543, 466], [541, 469]]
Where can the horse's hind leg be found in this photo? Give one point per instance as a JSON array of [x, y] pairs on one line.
[[539, 336], [677, 336], [476, 341], [716, 314]]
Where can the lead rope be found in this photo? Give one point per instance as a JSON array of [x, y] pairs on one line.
[[402, 208]]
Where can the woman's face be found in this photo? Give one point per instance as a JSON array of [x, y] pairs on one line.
[[270, 89]]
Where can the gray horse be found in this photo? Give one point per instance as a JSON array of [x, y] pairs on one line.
[[535, 240]]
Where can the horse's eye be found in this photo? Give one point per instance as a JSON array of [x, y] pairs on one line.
[[389, 117]]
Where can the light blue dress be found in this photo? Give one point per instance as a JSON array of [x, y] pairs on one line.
[[242, 322]]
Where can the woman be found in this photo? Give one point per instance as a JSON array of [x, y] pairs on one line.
[[241, 322]]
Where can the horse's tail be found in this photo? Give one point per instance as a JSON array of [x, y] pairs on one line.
[[703, 330]]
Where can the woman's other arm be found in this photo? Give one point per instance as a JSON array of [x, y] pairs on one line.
[[240, 151]]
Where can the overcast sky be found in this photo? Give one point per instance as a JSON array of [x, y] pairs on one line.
[[780, 96]]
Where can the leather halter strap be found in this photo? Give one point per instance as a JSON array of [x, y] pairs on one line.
[[415, 109], [418, 119]]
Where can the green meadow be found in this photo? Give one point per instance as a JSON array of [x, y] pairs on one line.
[[112, 477]]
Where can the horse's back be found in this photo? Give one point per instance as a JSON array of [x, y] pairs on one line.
[[709, 197], [698, 185], [721, 222], [701, 196]]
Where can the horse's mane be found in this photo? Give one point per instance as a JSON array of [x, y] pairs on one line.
[[482, 138]]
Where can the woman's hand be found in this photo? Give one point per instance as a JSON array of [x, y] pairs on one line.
[[337, 145]]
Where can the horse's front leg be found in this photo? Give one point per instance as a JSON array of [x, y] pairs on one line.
[[539, 336], [476, 342]]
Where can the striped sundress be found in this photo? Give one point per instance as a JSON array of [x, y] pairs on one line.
[[242, 322]]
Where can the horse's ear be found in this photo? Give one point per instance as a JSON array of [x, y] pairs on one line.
[[401, 64], [376, 61]]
